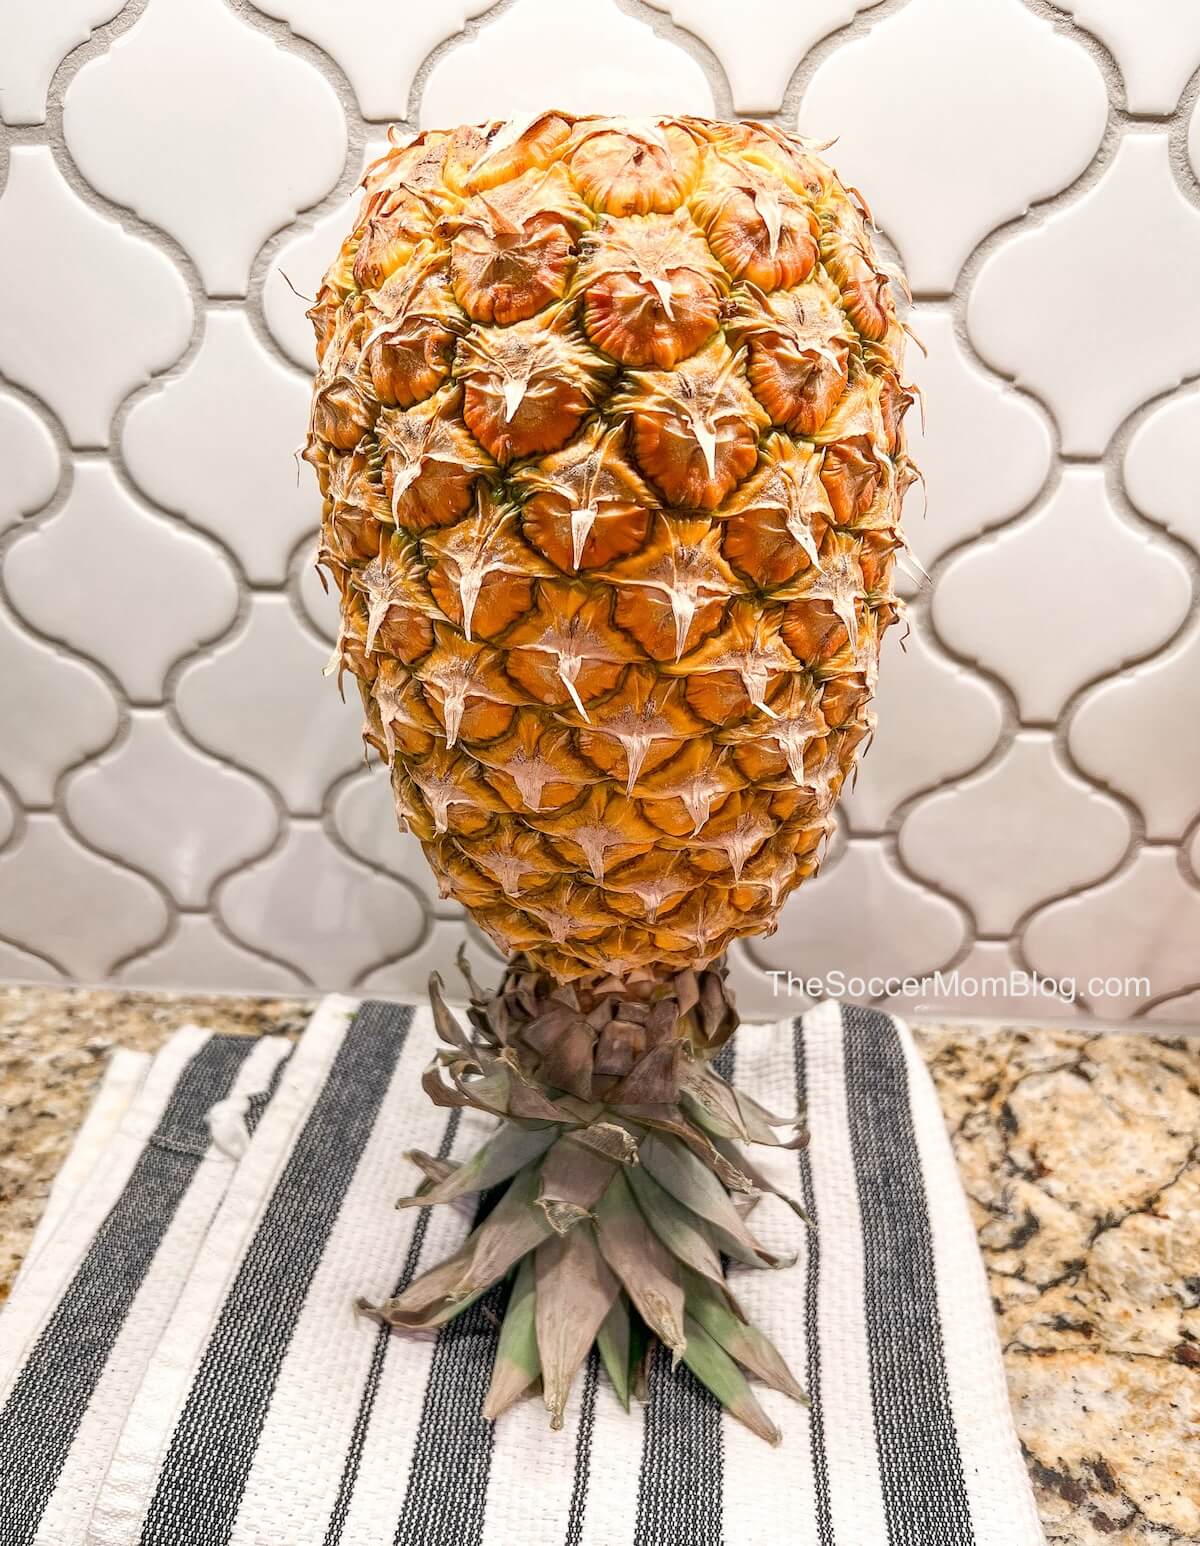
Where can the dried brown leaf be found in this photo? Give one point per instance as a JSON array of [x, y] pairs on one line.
[[447, 1026], [575, 1291], [509, 1149], [512, 1229], [573, 1179], [610, 1139]]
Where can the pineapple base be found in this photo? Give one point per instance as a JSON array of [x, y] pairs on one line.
[[625, 1186]]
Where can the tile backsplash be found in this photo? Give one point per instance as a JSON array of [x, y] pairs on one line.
[[182, 800]]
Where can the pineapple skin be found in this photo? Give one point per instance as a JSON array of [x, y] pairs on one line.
[[608, 427]]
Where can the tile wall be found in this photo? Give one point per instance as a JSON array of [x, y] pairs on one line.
[[182, 801]]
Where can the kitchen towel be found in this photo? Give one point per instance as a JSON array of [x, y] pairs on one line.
[[126, 1219], [270, 1414]]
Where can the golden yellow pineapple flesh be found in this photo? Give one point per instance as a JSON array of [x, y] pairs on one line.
[[608, 428]]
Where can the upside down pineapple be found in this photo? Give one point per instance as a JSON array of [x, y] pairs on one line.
[[608, 427]]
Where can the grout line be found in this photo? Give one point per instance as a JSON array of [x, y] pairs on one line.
[[663, 24], [470, 29], [868, 16]]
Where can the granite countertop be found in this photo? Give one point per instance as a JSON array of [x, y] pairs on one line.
[[1081, 1158]]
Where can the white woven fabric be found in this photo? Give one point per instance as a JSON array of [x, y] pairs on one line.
[[266, 1413]]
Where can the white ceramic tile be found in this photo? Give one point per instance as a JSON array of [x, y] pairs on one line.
[[53, 711], [321, 606], [260, 700], [755, 995], [198, 958], [364, 816], [34, 40], [1156, 44], [1055, 308], [1023, 829], [953, 116], [1061, 597], [219, 445], [1141, 734], [1183, 1010], [84, 911], [208, 129], [862, 917], [408, 977], [760, 42], [109, 578], [577, 57], [128, 314], [19, 966], [988, 983], [935, 719], [212, 123], [29, 458], [1143, 922], [379, 56], [295, 272], [984, 452], [311, 906], [1162, 466], [175, 813]]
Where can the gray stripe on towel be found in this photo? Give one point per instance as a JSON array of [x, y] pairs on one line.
[[446, 1498], [924, 1494], [212, 1450]]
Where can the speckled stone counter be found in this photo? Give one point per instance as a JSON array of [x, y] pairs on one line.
[[1081, 1157]]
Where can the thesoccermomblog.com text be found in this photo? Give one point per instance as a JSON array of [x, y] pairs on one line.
[[954, 984]]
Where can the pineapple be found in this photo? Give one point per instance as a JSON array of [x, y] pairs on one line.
[[608, 425]]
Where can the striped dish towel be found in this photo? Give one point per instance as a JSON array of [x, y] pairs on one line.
[[268, 1414], [126, 1219]]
